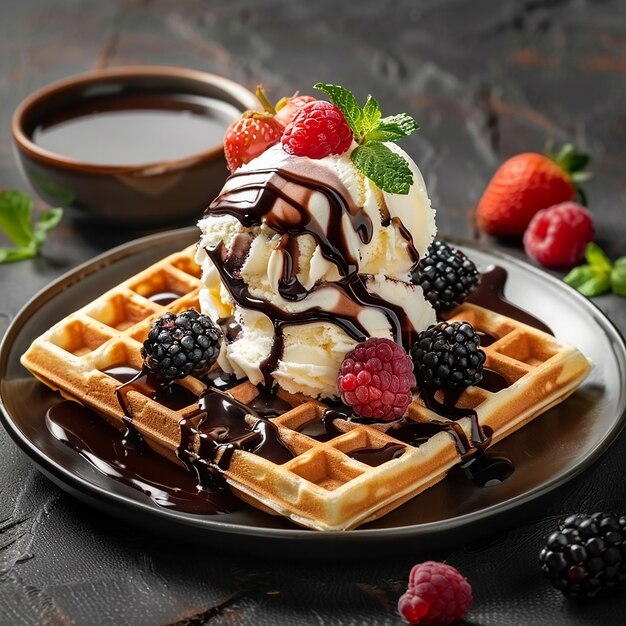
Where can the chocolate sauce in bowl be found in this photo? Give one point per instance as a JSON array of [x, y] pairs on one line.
[[167, 484]]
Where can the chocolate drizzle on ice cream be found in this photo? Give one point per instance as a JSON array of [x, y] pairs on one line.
[[300, 199]]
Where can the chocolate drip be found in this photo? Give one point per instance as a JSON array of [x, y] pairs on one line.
[[255, 203], [490, 295], [280, 198], [492, 381], [268, 404], [221, 425], [164, 297], [230, 328], [377, 456], [167, 484], [411, 249], [486, 339]]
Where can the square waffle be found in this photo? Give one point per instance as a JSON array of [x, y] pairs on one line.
[[332, 482]]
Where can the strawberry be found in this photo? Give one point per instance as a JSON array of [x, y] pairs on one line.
[[288, 108], [254, 132], [249, 136], [525, 184]]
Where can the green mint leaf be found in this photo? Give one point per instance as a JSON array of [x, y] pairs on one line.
[[596, 286], [10, 255], [579, 275], [345, 101], [46, 222], [15, 211], [385, 168], [618, 277], [393, 128], [597, 258], [371, 115]]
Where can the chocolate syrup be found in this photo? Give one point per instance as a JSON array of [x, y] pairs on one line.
[[268, 404], [164, 298], [280, 198], [221, 425], [486, 339], [230, 328], [377, 456], [492, 381], [484, 470], [490, 294], [167, 484]]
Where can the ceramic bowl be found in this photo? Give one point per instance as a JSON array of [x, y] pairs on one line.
[[146, 193]]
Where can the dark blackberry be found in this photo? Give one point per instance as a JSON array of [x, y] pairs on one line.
[[586, 557], [447, 355], [446, 275], [179, 345]]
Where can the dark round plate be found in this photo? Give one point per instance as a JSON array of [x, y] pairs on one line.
[[546, 453]]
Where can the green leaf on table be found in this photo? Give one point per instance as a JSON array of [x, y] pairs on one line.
[[385, 168], [618, 277], [15, 211], [599, 275], [596, 257], [15, 220]]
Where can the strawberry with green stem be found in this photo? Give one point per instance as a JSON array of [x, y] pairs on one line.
[[527, 183]]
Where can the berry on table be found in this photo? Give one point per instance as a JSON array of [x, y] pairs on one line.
[[525, 184], [179, 345], [448, 356], [586, 557], [318, 129], [446, 276], [437, 594], [376, 379], [558, 236]]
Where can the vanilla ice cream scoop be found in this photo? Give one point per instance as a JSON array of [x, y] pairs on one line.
[[304, 258]]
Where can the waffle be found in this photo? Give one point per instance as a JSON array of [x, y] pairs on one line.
[[326, 485]]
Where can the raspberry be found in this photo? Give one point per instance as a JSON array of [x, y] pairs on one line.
[[437, 594], [376, 379], [558, 236], [319, 129]]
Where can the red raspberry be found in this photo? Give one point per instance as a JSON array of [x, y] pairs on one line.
[[319, 129], [437, 594], [376, 379], [558, 236]]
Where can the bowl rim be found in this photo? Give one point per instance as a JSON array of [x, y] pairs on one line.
[[24, 144]]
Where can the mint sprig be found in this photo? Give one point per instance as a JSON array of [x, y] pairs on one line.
[[387, 169], [16, 209], [599, 274]]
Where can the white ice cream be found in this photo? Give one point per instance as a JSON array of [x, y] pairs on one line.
[[312, 352]]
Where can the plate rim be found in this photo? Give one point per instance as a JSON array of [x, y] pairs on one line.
[[65, 478]]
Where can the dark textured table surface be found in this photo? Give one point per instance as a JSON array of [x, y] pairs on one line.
[[485, 80]]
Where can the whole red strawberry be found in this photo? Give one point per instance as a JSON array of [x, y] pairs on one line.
[[558, 236], [249, 136], [288, 108], [437, 594], [525, 184], [319, 129]]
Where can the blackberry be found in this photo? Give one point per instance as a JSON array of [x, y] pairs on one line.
[[586, 557], [446, 276], [447, 356], [179, 345]]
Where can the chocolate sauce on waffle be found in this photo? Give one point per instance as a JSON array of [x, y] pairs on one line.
[[281, 199], [164, 298], [167, 484], [377, 456], [220, 426], [490, 295], [268, 404]]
